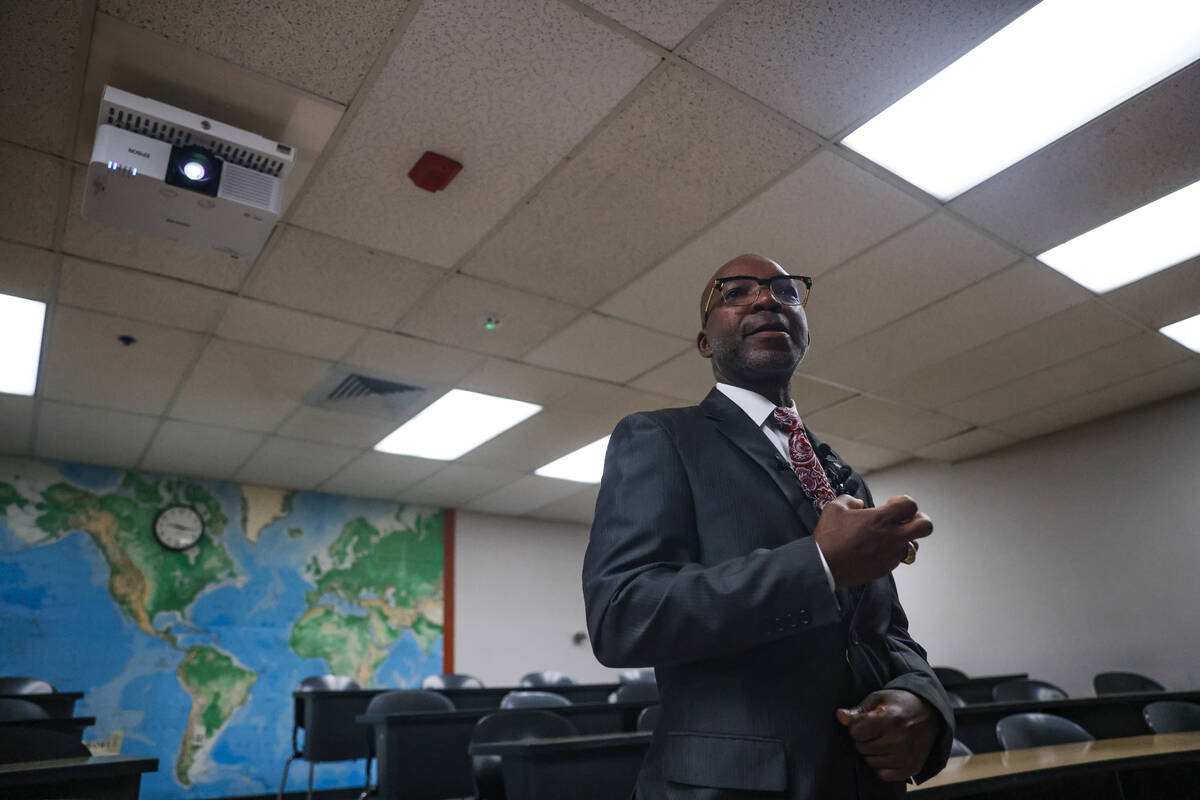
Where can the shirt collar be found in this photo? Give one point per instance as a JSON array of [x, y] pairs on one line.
[[755, 406]]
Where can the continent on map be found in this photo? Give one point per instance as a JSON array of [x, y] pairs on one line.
[[371, 586], [218, 687], [262, 506]]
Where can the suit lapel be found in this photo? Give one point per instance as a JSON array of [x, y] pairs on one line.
[[739, 429]]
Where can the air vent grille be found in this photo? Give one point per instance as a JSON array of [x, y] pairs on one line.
[[354, 393], [250, 187]]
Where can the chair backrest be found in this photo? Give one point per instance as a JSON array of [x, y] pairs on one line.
[[636, 693], [11, 708], [37, 744], [648, 718], [452, 680], [532, 700], [956, 700], [1117, 682], [957, 748], [1172, 716], [330, 732], [636, 675], [328, 683], [950, 676], [537, 680], [410, 700], [1018, 731], [1024, 689], [15, 684], [502, 726]]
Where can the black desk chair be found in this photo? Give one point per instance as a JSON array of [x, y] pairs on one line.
[[957, 748], [518, 699], [635, 693], [637, 676], [648, 718], [35, 744], [956, 700], [1172, 716], [1018, 731], [1025, 690], [950, 676], [453, 680], [401, 701], [15, 684], [545, 678], [503, 726], [11, 708], [1117, 682], [321, 742]]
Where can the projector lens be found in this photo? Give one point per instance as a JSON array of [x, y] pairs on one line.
[[194, 171]]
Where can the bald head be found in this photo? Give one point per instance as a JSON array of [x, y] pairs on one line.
[[745, 264]]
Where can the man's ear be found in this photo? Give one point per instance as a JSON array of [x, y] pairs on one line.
[[702, 345]]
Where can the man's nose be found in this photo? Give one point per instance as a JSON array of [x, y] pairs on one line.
[[766, 299]]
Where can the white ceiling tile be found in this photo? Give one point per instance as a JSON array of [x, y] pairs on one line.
[[863, 457], [1157, 385], [379, 475], [334, 427], [26, 271], [883, 424], [827, 64], [324, 48], [1137, 152], [340, 279], [458, 484], [930, 260], [974, 442], [551, 74], [991, 308], [294, 464], [1107, 365], [663, 21], [29, 195], [185, 448], [519, 381], [38, 44], [628, 350], [1161, 298], [140, 295], [243, 386], [524, 495], [823, 213], [454, 312], [539, 440], [609, 402], [90, 240], [85, 362], [91, 435], [284, 329], [668, 164], [579, 507], [687, 376], [1057, 338], [16, 424], [811, 396], [412, 360]]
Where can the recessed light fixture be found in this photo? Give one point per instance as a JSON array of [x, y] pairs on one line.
[[21, 323], [1148, 239], [1186, 332], [456, 423], [1049, 71], [585, 465]]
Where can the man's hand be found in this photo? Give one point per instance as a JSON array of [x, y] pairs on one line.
[[862, 544], [893, 730]]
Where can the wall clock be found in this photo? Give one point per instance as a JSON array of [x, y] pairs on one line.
[[178, 527]]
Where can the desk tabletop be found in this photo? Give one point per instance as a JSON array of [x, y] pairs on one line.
[[53, 723], [89, 767], [984, 768], [406, 717], [561, 743]]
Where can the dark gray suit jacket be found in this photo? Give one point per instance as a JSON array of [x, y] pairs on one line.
[[701, 563]]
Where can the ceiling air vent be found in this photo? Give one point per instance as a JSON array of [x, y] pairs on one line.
[[352, 393]]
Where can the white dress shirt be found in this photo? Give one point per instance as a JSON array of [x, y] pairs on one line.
[[759, 410]]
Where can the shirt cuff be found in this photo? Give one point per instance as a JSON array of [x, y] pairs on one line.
[[825, 566]]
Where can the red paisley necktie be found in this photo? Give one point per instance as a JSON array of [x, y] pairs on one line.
[[804, 460]]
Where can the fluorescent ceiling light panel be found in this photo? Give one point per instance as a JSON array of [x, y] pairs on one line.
[[1148, 239], [21, 322], [1186, 332], [585, 465], [456, 423], [1049, 71]]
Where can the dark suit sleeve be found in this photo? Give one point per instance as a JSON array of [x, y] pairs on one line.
[[649, 598]]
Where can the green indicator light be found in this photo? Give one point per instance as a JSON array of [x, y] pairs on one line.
[[491, 326]]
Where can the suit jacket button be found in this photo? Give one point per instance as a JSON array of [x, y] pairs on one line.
[[804, 617]]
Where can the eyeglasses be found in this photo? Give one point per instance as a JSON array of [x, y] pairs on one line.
[[742, 290]]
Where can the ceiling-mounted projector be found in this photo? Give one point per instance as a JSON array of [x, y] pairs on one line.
[[168, 173]]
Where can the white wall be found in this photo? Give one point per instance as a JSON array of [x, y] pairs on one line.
[[518, 599], [1068, 555]]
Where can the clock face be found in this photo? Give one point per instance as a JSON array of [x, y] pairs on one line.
[[178, 527]]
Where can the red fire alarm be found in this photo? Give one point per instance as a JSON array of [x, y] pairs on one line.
[[433, 171]]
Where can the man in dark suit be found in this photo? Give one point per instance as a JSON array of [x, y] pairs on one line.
[[723, 555]]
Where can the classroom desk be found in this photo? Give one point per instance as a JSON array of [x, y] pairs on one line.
[[57, 704], [979, 689], [71, 725], [489, 697], [1106, 717], [95, 778], [597, 767], [988, 772]]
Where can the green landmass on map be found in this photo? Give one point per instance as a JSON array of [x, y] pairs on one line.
[[9, 496], [218, 687]]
